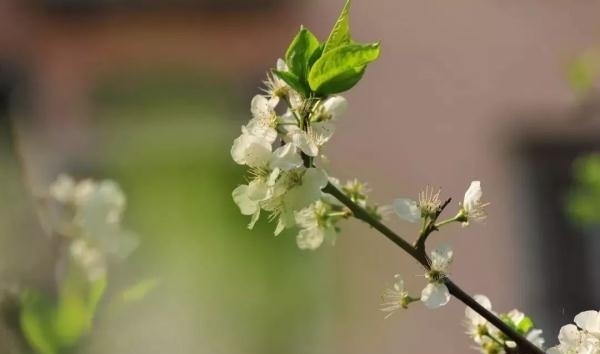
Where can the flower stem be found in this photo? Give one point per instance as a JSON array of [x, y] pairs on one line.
[[420, 256], [444, 222]]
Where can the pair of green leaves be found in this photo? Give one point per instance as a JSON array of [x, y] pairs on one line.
[[330, 67], [52, 326]]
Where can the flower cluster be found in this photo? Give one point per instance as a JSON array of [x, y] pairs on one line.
[[472, 208], [87, 216], [583, 337], [489, 339], [282, 148]]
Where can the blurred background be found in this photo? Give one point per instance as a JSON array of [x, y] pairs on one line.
[[151, 93]]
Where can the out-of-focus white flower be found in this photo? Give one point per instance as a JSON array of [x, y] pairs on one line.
[[407, 209], [90, 211], [436, 294], [395, 298], [472, 208], [89, 259]]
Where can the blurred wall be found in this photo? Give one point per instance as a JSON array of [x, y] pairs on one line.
[[458, 85]]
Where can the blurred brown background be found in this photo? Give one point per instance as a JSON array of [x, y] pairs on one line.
[[151, 93]]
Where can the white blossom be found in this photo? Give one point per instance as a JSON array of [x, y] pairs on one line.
[[575, 341], [285, 158], [475, 323], [395, 298], [264, 119], [315, 226], [535, 337], [472, 208], [89, 259], [275, 87], [427, 205], [251, 150], [436, 294], [332, 108], [589, 321], [407, 209], [582, 338], [489, 338]]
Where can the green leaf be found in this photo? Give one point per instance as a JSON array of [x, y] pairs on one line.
[[340, 33], [341, 68], [525, 325], [316, 55], [36, 323], [95, 293], [293, 81], [300, 51], [77, 304]]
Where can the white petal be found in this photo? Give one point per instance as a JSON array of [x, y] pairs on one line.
[[306, 218], [535, 337], [324, 131], [407, 209], [310, 239], [435, 295], [473, 196], [569, 335], [589, 320], [286, 158], [308, 192], [286, 220], [257, 190], [240, 197], [281, 65], [398, 283], [250, 150], [304, 143], [261, 107], [254, 219], [63, 189], [261, 131], [516, 316], [441, 257], [335, 106]]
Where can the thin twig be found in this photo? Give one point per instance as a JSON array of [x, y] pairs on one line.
[[525, 346]]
